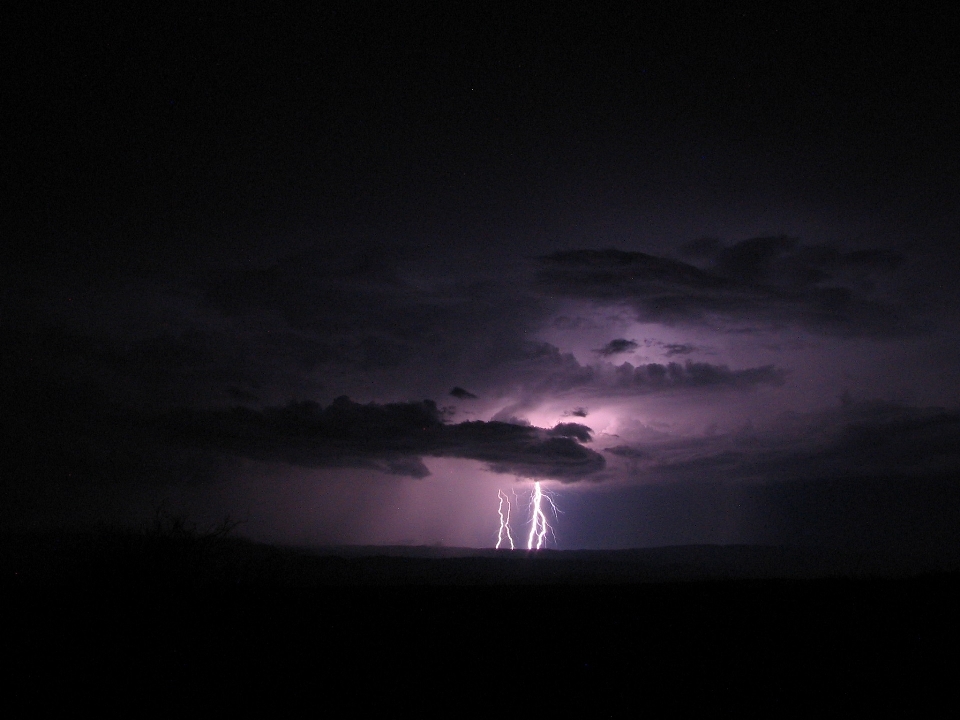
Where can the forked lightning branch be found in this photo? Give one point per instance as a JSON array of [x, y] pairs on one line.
[[539, 527]]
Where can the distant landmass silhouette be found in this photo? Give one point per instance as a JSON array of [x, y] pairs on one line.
[[184, 618], [119, 557]]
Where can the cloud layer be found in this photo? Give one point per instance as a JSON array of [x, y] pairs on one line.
[[856, 440], [545, 369], [617, 346], [764, 282], [390, 437]]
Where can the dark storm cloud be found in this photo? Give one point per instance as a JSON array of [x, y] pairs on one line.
[[365, 287], [768, 281], [391, 437], [672, 349], [678, 349], [614, 347], [907, 442], [784, 261], [399, 314], [168, 366], [654, 376], [522, 450], [627, 451], [352, 319], [867, 476], [866, 440], [574, 430], [545, 369], [461, 394]]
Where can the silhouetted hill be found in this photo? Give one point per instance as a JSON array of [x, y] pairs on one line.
[[164, 625], [119, 557]]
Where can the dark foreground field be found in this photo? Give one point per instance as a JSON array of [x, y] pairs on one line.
[[186, 627]]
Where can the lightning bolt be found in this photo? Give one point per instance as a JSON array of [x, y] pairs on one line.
[[539, 527], [504, 520]]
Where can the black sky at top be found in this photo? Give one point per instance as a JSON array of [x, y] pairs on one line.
[[185, 122]]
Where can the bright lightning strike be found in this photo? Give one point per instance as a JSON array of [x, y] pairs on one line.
[[539, 527], [504, 521]]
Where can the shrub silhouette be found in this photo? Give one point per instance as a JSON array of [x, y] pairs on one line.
[[169, 550]]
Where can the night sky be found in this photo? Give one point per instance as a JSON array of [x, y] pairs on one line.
[[346, 275]]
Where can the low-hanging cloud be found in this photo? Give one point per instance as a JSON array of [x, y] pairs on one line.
[[672, 349], [573, 430], [461, 394], [766, 282], [390, 437], [868, 440], [617, 346]]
